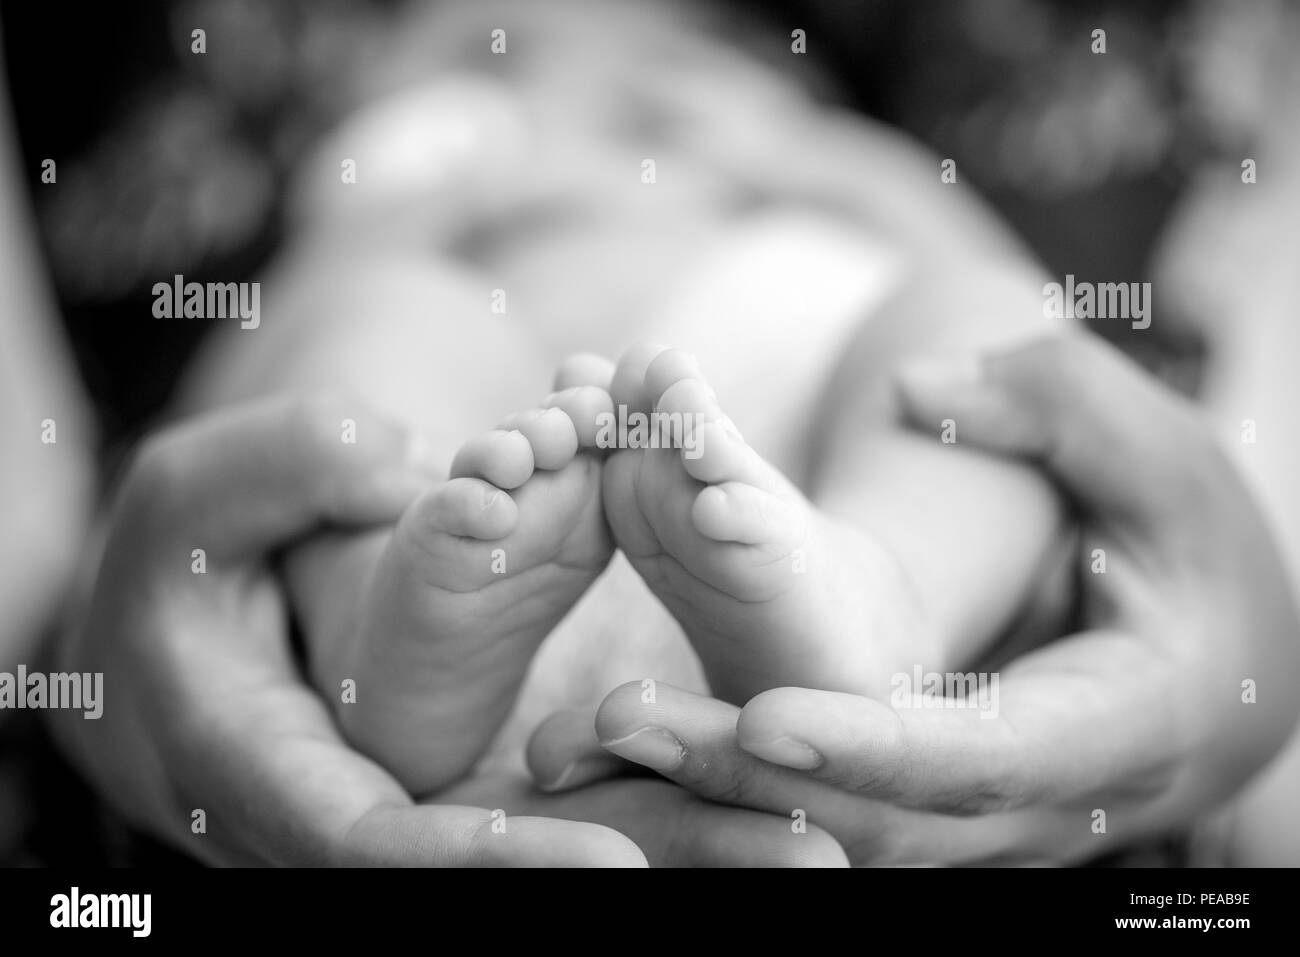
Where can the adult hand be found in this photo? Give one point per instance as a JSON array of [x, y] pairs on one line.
[[204, 707], [1179, 687]]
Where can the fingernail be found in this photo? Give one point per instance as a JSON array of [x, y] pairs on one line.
[[577, 773], [940, 373], [655, 748], [490, 495], [787, 752]]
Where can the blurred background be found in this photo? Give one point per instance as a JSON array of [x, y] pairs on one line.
[[170, 162], [1122, 167]]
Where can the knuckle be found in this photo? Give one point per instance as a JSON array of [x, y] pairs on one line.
[[871, 777], [478, 844], [884, 767]]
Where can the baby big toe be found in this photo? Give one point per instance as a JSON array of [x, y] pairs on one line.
[[667, 369], [465, 507], [586, 406], [628, 386]]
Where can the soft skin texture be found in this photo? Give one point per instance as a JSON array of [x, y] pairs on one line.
[[592, 260], [475, 575], [413, 356], [1140, 714], [205, 706]]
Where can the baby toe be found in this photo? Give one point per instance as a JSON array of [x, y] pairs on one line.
[[504, 458], [550, 433], [715, 453], [628, 388], [585, 368], [691, 397], [668, 368], [465, 507], [589, 409], [736, 512]]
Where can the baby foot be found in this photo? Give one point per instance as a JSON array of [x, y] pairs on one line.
[[476, 574], [770, 591]]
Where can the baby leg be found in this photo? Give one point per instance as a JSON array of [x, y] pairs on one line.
[[419, 636], [900, 550]]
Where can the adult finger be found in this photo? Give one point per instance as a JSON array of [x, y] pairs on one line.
[[690, 739], [1095, 710], [675, 828], [249, 479], [1124, 446], [715, 767], [452, 836], [564, 753], [276, 784]]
